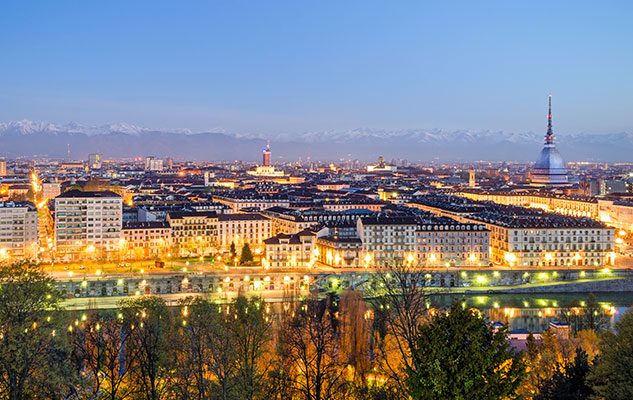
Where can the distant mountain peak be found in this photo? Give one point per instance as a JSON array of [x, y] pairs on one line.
[[125, 140]]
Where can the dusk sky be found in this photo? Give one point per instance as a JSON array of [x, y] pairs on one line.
[[292, 66]]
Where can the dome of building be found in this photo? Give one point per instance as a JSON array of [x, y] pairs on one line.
[[550, 160], [549, 169]]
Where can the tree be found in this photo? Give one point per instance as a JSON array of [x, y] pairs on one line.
[[148, 321], [33, 354], [250, 331], [569, 382], [590, 316], [400, 305], [355, 335], [311, 337], [246, 256], [233, 251], [204, 352], [98, 345], [542, 358], [458, 355], [280, 378], [611, 376]]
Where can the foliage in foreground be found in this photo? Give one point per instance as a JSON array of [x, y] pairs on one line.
[[460, 356], [318, 348]]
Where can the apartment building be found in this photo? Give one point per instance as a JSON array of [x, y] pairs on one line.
[[614, 212], [143, 240], [18, 231], [193, 233], [387, 240], [290, 250], [345, 204], [238, 201], [240, 228], [447, 243], [528, 237], [88, 225], [339, 252]]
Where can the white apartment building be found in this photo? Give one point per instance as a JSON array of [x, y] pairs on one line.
[[192, 232], [290, 250], [18, 231], [526, 237], [452, 244], [143, 240], [243, 228], [387, 240], [88, 225], [153, 164]]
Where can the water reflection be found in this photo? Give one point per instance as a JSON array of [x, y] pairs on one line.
[[534, 312]]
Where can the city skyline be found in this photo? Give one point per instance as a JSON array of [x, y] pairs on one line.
[[327, 200]]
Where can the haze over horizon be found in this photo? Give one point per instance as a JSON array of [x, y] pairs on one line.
[[285, 68]]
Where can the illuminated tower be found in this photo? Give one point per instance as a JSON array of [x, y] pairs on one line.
[[266, 156], [471, 178], [549, 169]]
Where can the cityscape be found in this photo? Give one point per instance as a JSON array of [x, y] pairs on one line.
[[244, 263]]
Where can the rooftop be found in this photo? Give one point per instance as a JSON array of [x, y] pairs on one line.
[[74, 193]]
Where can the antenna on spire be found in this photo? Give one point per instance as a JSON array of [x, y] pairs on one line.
[[549, 137]]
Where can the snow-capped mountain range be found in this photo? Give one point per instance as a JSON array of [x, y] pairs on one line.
[[127, 140], [26, 127]]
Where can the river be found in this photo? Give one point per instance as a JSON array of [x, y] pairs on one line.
[[534, 312]]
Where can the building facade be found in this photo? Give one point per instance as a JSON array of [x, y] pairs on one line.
[[524, 237], [88, 225], [18, 231], [144, 240], [452, 245], [193, 233], [387, 240], [241, 228], [290, 250]]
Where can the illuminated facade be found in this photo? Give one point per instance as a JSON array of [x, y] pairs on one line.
[[193, 233], [381, 166], [243, 228], [18, 231], [339, 252], [615, 213], [387, 240], [142, 240], [523, 237], [266, 170], [50, 190], [260, 202], [88, 225], [290, 250], [452, 245]]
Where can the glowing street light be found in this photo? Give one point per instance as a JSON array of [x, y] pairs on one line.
[[511, 259]]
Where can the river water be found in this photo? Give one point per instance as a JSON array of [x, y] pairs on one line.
[[534, 312]]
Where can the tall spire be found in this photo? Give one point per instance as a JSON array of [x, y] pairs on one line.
[[549, 136]]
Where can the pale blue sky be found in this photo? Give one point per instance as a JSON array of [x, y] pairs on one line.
[[292, 66]]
